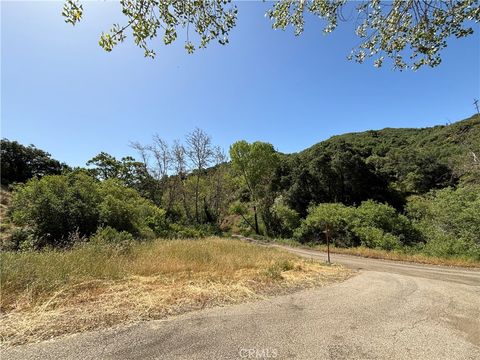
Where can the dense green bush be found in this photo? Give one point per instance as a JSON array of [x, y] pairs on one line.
[[59, 205], [339, 219], [376, 238], [447, 246], [278, 220], [387, 219], [125, 210], [449, 220], [371, 224], [55, 206], [443, 223], [20, 239], [109, 235], [287, 220]]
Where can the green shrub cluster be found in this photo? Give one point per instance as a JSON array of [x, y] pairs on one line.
[[336, 216], [279, 220], [443, 223], [54, 207], [371, 224], [375, 238], [449, 220], [288, 219]]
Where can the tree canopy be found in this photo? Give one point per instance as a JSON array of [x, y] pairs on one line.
[[256, 164], [20, 163], [411, 33]]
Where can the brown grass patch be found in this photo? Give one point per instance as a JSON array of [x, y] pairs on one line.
[[46, 294]]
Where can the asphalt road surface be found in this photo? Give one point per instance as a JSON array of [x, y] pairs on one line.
[[390, 310]]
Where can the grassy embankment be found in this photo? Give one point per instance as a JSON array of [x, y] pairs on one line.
[[49, 293], [397, 255]]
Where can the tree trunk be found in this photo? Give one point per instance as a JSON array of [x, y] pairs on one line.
[[184, 200], [196, 199], [257, 231]]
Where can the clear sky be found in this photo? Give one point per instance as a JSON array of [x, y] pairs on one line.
[[63, 93]]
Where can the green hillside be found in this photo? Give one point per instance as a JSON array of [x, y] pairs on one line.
[[445, 141], [386, 165]]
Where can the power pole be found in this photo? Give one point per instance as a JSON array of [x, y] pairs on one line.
[[475, 102]]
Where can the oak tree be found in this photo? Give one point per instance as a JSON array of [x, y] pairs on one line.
[[411, 33]]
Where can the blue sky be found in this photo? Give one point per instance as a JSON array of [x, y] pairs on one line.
[[63, 93]]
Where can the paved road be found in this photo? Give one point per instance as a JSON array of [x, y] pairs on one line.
[[452, 274], [389, 311]]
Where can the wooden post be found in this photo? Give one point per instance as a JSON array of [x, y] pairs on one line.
[[328, 242]]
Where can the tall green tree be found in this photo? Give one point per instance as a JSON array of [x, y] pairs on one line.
[[20, 163], [132, 172], [105, 166], [256, 163], [411, 33]]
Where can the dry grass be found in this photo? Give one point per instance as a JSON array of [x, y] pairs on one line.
[[401, 256], [52, 293]]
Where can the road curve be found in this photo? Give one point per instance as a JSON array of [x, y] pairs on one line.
[[389, 310], [435, 272]]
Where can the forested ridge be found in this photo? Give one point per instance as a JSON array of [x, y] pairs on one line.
[[386, 165], [405, 189]]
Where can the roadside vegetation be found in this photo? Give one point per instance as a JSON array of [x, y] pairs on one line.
[[129, 239], [440, 227], [100, 283], [412, 191]]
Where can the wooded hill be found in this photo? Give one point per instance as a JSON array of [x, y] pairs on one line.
[[385, 165]]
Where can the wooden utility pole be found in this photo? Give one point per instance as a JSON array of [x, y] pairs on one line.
[[327, 235], [475, 102]]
